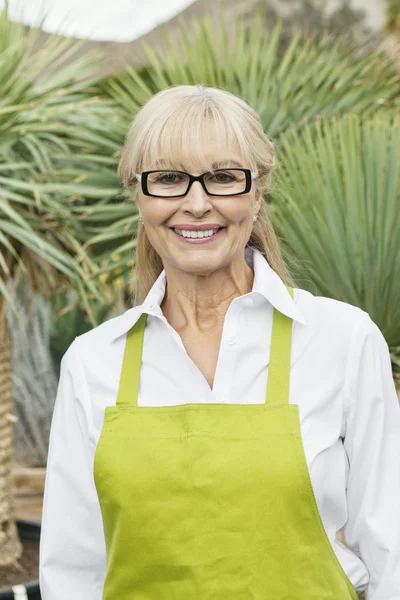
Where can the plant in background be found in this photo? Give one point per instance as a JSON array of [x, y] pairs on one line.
[[41, 332], [336, 205], [40, 335], [307, 80], [47, 116], [393, 16], [34, 381], [317, 17]]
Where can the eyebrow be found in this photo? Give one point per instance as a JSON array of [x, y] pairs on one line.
[[224, 163]]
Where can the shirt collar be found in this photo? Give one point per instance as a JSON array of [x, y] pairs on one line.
[[267, 284]]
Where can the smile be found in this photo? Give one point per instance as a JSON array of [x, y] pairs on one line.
[[197, 237]]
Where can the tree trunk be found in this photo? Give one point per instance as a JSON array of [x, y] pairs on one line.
[[10, 545]]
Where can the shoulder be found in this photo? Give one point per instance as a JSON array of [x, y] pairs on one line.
[[341, 326], [335, 331], [101, 341], [345, 345], [329, 315]]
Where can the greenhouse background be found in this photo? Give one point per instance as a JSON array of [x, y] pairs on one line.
[[325, 78]]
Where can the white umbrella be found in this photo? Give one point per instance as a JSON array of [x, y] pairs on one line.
[[111, 20]]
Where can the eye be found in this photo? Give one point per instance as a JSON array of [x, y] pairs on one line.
[[169, 178], [223, 177]]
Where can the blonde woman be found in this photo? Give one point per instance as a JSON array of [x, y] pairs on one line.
[[209, 443]]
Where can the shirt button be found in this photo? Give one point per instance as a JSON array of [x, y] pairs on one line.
[[231, 341]]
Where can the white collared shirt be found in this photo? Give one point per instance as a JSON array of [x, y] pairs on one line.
[[341, 379]]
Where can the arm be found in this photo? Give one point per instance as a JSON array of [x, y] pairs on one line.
[[72, 548], [372, 444]]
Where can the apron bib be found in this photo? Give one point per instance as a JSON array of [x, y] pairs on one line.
[[211, 501]]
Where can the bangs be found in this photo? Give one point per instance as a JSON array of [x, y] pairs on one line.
[[195, 129], [195, 138]]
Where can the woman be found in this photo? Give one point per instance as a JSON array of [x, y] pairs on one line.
[[210, 442]]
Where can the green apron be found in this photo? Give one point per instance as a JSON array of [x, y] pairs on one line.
[[212, 501]]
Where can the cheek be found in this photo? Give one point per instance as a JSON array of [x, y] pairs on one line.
[[158, 212], [238, 215]]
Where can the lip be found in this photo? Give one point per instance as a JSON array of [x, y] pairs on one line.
[[197, 227]]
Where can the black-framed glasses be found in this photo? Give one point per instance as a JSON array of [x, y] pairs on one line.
[[175, 184]]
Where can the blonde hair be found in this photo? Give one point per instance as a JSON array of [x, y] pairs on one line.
[[176, 123]]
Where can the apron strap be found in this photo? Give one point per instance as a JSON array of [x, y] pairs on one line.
[[278, 382], [278, 371], [130, 373]]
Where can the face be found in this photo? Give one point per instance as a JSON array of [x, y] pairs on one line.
[[232, 215]]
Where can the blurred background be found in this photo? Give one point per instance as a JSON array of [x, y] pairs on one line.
[[323, 75]]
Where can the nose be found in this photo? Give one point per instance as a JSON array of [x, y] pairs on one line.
[[196, 200]]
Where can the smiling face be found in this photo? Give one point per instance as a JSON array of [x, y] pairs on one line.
[[233, 215], [190, 128]]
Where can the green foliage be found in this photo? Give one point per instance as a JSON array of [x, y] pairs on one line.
[[51, 126], [317, 17], [306, 81], [393, 15], [336, 205]]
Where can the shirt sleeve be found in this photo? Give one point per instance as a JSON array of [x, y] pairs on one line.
[[372, 444], [72, 559]]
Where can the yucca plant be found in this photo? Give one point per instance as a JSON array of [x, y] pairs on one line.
[[304, 81], [46, 118], [336, 206]]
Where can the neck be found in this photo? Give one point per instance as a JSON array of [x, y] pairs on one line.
[[200, 302]]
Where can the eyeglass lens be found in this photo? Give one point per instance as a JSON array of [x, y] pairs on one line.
[[173, 183]]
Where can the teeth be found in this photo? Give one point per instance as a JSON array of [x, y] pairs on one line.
[[196, 234]]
